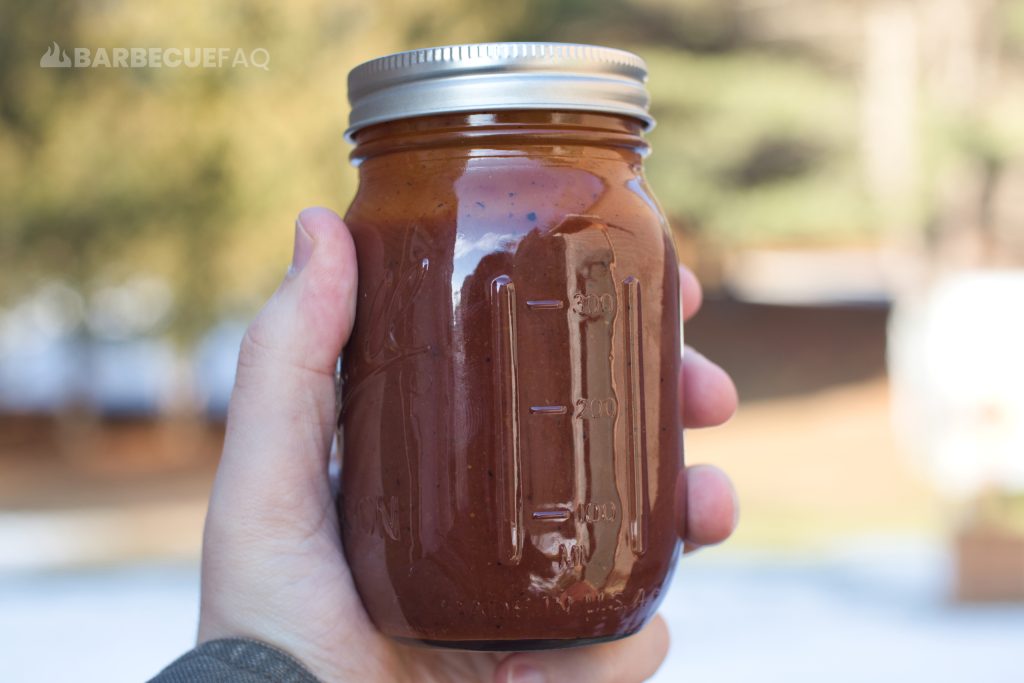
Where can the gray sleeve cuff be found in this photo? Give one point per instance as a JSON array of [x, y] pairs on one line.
[[235, 660]]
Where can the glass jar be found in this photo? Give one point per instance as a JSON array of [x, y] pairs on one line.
[[510, 409]]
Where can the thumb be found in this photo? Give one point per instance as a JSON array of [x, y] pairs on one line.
[[282, 411]]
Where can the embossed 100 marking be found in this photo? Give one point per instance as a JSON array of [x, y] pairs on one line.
[[596, 408]]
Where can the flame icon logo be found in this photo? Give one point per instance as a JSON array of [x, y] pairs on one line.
[[55, 58]]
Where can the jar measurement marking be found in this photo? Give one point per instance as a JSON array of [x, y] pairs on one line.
[[556, 514], [508, 438], [636, 440], [509, 430], [572, 556], [548, 410], [546, 304], [587, 513], [592, 305], [596, 408]]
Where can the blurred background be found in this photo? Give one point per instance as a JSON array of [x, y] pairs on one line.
[[846, 176]]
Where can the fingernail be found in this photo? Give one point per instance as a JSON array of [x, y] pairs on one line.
[[526, 673], [303, 248]]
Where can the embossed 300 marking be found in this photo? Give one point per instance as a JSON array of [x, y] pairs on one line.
[[592, 305]]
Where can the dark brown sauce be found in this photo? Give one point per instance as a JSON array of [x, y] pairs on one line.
[[510, 427]]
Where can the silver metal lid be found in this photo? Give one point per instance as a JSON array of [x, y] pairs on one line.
[[497, 76]]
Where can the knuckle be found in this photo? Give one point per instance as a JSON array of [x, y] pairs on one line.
[[255, 345], [258, 352]]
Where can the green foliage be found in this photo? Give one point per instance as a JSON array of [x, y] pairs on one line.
[[755, 147], [194, 175], [190, 175], [692, 25], [1011, 25]]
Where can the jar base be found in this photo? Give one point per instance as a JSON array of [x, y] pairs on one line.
[[511, 645]]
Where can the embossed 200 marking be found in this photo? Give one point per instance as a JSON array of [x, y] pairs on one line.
[[596, 408]]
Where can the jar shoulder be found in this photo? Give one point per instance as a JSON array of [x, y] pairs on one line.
[[504, 198]]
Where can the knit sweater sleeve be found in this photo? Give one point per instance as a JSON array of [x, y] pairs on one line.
[[235, 660]]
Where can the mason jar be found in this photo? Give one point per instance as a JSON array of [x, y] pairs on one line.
[[509, 419]]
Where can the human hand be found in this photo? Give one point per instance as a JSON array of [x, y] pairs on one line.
[[273, 567]]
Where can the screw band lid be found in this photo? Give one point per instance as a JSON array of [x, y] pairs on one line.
[[497, 77]]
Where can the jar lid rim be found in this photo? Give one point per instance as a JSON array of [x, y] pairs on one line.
[[498, 77]]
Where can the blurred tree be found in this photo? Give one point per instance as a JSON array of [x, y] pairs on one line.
[[193, 175], [691, 25], [756, 139]]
